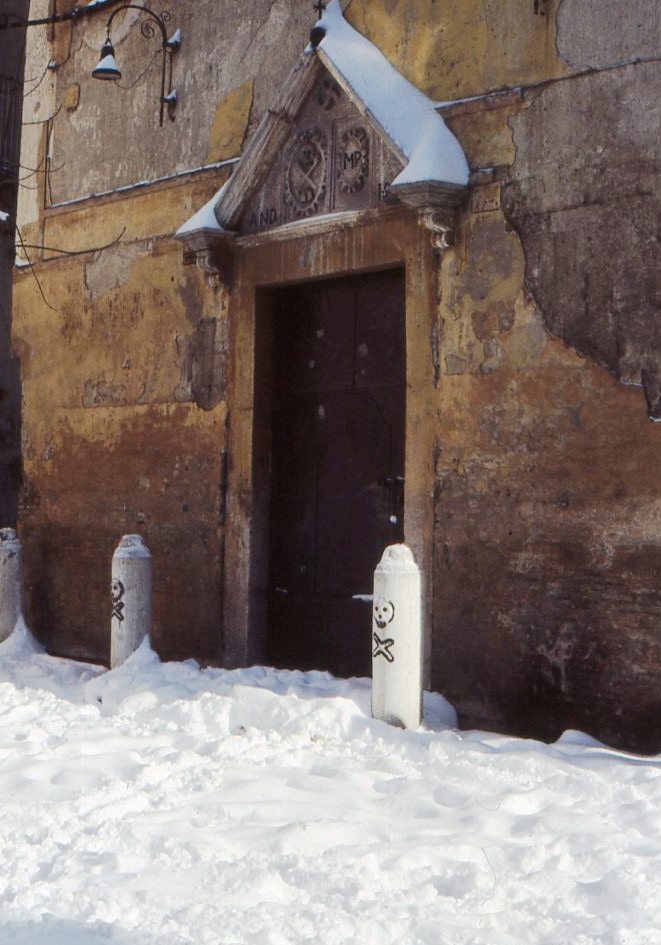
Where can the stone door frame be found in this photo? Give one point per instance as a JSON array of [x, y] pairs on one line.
[[338, 246]]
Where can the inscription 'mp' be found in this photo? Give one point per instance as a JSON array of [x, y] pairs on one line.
[[353, 165]]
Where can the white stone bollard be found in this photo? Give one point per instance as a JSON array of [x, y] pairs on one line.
[[11, 582], [397, 639], [130, 590]]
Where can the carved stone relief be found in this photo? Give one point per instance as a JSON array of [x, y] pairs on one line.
[[306, 173], [353, 160], [334, 162]]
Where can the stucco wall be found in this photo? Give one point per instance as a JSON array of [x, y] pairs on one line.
[[231, 59], [548, 517], [547, 526], [123, 433], [548, 505]]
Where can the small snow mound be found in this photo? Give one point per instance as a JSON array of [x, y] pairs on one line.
[[141, 658], [20, 643], [438, 713], [580, 739], [137, 674]]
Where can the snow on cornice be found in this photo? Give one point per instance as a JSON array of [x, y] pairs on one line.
[[404, 113], [205, 218]]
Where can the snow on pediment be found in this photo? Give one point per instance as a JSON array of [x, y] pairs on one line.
[[348, 132], [405, 115], [333, 161]]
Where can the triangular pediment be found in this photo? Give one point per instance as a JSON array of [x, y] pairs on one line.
[[347, 133], [332, 161]]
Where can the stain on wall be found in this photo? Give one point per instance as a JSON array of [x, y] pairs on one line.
[[547, 536], [122, 446], [95, 474], [548, 510], [230, 123]]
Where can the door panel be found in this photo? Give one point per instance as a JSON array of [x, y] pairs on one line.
[[337, 422]]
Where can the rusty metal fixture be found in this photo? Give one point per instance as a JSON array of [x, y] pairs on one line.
[[9, 21], [108, 70]]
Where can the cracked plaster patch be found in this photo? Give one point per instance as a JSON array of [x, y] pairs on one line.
[[110, 269]]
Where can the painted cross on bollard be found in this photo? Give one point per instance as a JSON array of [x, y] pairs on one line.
[[397, 639], [382, 648]]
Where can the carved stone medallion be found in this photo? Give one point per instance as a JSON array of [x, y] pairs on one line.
[[305, 172], [353, 160]]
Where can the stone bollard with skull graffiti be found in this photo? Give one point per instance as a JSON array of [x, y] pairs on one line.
[[397, 639], [130, 591], [11, 582]]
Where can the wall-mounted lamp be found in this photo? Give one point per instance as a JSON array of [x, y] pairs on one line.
[[108, 69]]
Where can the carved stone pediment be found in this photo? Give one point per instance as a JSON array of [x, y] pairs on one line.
[[333, 145], [333, 161]]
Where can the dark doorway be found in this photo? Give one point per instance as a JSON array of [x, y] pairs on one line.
[[337, 464]]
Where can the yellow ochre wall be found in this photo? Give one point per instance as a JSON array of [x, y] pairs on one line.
[[547, 527]]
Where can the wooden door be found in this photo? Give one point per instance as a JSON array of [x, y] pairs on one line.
[[337, 465]]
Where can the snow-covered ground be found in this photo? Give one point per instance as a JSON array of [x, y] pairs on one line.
[[158, 804]]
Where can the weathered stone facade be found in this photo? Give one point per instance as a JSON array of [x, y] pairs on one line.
[[532, 497]]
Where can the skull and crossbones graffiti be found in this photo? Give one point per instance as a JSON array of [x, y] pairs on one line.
[[117, 591], [384, 613]]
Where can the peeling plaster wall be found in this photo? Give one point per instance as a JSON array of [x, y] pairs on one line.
[[586, 194], [548, 517], [130, 441], [548, 501], [458, 48]]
